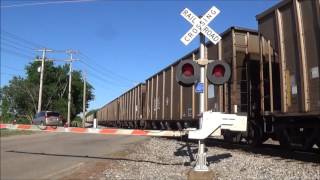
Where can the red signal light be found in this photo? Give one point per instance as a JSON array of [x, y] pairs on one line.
[[218, 71], [187, 70]]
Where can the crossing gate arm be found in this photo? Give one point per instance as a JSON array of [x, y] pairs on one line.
[[213, 122], [105, 131]]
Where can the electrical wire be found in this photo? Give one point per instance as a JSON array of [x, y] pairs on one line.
[[8, 51], [12, 68], [20, 49], [103, 70], [44, 3], [19, 44], [23, 43], [16, 43], [8, 74], [13, 44], [95, 74], [13, 36], [107, 82]]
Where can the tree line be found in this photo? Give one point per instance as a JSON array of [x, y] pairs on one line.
[[20, 96]]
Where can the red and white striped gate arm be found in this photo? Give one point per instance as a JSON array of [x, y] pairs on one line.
[[109, 131]]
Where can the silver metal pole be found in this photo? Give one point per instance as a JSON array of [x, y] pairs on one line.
[[41, 79], [202, 70], [69, 94], [201, 164]]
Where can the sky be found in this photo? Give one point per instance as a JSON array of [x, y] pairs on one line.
[[120, 43]]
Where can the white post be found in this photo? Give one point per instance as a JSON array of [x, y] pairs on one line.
[[201, 164], [95, 123]]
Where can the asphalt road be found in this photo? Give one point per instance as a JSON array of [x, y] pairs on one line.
[[55, 155]]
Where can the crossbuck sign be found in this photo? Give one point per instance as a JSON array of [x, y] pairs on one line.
[[200, 25]]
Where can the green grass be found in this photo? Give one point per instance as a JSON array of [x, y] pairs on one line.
[[9, 132]]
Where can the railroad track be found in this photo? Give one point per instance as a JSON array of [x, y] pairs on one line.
[[272, 150]]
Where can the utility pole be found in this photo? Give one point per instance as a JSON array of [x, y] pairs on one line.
[[84, 100], [41, 75], [70, 52]]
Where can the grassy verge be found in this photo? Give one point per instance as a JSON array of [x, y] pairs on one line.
[[9, 132]]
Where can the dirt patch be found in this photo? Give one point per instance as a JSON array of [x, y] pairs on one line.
[[91, 170], [207, 175]]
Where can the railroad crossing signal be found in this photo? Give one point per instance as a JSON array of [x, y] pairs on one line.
[[200, 25], [188, 72], [217, 73]]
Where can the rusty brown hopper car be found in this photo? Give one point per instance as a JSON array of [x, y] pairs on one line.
[[292, 28], [131, 106], [109, 112], [89, 119], [124, 111], [169, 103]]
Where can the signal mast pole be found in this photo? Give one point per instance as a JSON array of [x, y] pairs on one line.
[[202, 156]]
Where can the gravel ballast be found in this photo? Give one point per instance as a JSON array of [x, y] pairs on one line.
[[160, 158]]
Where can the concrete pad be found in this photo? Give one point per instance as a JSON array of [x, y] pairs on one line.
[[204, 175]]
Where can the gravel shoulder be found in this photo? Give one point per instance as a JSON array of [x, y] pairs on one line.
[[161, 158]]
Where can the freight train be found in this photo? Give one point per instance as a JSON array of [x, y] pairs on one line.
[[274, 82]]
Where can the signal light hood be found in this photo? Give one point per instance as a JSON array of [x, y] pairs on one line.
[[188, 72], [218, 72]]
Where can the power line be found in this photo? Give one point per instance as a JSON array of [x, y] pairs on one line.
[[12, 68], [14, 36], [8, 74], [104, 70], [104, 85], [44, 3], [8, 51], [7, 45], [98, 76], [31, 44], [95, 74], [107, 88], [16, 42], [105, 81], [15, 50], [20, 44]]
